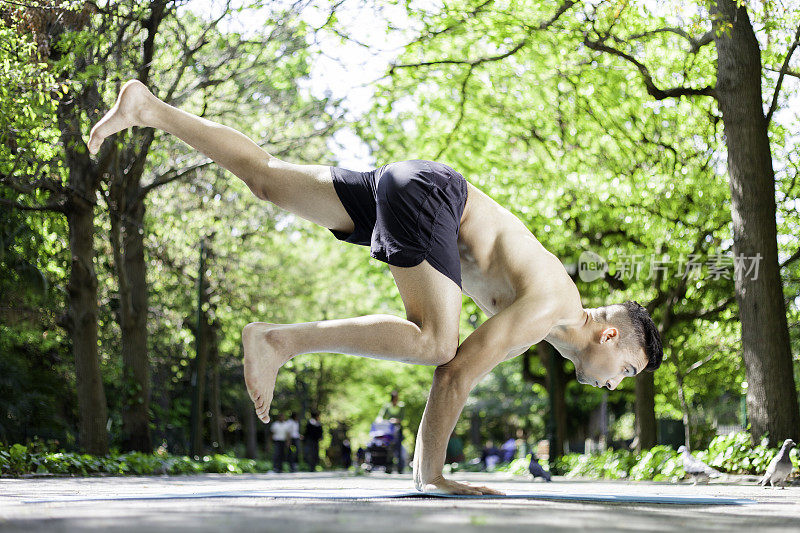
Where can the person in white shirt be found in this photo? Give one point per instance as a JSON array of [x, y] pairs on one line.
[[281, 431], [294, 441]]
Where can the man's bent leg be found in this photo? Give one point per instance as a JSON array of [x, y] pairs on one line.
[[306, 190], [429, 336]]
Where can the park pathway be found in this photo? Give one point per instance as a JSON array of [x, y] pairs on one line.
[[215, 502]]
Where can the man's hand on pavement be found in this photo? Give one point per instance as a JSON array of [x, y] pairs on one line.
[[454, 487]]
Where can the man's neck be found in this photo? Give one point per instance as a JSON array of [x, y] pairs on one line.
[[572, 338]]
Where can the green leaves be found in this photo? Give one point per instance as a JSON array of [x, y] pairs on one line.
[[17, 460], [732, 454]]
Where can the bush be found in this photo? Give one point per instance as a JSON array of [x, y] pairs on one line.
[[36, 458], [731, 454]]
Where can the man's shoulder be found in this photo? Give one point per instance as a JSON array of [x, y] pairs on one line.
[[527, 320]]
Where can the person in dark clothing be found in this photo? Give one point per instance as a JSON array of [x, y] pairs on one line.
[[394, 412], [312, 435], [490, 456], [455, 449], [347, 454]]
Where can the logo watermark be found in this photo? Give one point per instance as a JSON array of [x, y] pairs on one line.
[[592, 266]]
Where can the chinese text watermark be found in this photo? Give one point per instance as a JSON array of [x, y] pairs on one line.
[[592, 266]]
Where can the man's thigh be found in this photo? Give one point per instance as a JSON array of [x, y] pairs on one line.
[[308, 192], [431, 300]]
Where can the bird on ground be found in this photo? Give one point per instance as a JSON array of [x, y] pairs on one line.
[[536, 469], [696, 468], [780, 467]]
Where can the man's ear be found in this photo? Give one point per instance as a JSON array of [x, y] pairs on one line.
[[608, 334]]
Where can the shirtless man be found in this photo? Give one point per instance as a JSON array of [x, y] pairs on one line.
[[432, 228]]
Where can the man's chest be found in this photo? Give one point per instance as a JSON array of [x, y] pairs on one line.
[[488, 287]]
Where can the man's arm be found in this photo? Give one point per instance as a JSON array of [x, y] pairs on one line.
[[520, 325]]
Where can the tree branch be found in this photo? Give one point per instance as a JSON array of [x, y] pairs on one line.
[[705, 313], [701, 362], [784, 67], [53, 206], [470, 62], [467, 16], [461, 107], [475, 62], [788, 71], [652, 90], [169, 177], [696, 44], [794, 257]]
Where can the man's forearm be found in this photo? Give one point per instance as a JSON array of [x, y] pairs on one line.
[[445, 402], [509, 330]]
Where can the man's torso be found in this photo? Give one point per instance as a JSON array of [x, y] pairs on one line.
[[501, 260]]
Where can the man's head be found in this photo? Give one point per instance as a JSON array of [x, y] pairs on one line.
[[395, 395], [620, 340]]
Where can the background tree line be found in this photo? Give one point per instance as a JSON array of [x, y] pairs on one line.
[[606, 127]]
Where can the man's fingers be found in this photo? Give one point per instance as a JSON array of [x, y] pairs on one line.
[[487, 490]]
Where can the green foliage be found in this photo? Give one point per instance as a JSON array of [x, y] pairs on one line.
[[735, 453], [732, 454], [16, 460]]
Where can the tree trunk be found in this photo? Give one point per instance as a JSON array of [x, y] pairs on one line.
[[200, 360], [214, 393], [556, 385], [771, 395], [475, 429], [645, 411], [82, 285], [132, 270], [687, 415], [133, 324], [82, 303], [250, 432]]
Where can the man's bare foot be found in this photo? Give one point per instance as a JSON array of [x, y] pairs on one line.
[[264, 355], [129, 110]]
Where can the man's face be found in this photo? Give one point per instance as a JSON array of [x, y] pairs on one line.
[[606, 363]]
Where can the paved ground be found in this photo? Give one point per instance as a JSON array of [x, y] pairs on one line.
[[776, 510]]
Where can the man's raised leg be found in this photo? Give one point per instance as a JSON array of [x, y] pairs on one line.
[[429, 336], [432, 301], [305, 190]]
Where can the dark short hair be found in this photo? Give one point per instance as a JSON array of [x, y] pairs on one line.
[[646, 332]]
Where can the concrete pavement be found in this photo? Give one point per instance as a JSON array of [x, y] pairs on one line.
[[776, 510]]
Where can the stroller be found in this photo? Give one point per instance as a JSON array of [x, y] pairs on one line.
[[381, 447]]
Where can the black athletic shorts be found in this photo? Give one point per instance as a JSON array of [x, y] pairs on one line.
[[405, 212]]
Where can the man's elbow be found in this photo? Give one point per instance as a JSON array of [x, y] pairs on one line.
[[453, 379]]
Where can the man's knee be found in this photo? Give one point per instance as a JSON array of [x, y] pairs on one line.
[[441, 349]]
